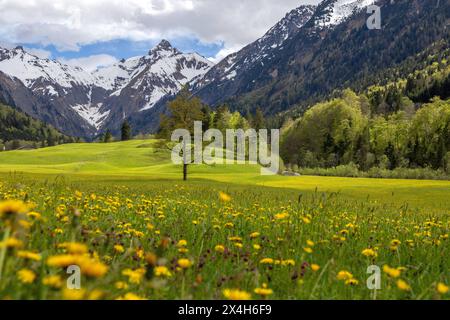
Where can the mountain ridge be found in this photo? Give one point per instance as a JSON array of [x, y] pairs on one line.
[[94, 101]]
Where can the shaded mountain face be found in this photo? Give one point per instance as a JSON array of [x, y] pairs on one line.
[[333, 49], [84, 104], [237, 72]]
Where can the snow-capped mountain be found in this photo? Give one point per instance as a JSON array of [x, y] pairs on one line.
[[98, 100], [259, 64], [32, 70], [234, 69]]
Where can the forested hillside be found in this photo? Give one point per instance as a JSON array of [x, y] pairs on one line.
[[18, 130]]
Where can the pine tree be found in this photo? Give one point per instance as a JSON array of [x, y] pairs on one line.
[[107, 137], [126, 131]]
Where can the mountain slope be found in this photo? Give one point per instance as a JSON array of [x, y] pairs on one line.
[[16, 125], [235, 74], [333, 50]]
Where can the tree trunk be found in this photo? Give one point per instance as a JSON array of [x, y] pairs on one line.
[[185, 167]]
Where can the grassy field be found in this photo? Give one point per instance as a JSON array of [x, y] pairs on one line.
[[121, 213]]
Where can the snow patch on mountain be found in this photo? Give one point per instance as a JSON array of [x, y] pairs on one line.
[[92, 114], [28, 68], [338, 11]]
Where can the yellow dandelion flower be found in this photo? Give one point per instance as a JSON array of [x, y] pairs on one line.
[[162, 271], [62, 261], [403, 285], [73, 294], [131, 296], [264, 291], [315, 267], [121, 285], [219, 248], [74, 247], [224, 197], [442, 288], [236, 294], [254, 235], [11, 243], [53, 281], [12, 207], [119, 248], [344, 275], [308, 250], [392, 272], [26, 276], [184, 263], [182, 243], [266, 261], [351, 282], [369, 253], [29, 255], [134, 276], [256, 247]]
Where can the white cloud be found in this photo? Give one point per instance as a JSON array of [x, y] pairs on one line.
[[91, 63], [40, 53], [67, 24]]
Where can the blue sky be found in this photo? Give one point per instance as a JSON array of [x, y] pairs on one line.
[[123, 48]]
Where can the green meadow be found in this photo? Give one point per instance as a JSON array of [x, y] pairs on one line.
[[121, 212], [139, 161]]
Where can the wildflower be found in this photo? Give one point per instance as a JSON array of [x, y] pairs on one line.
[[182, 243], [26, 276], [310, 243], [281, 216], [315, 267], [134, 276], [162, 271], [29, 255], [344, 275], [369, 253], [306, 220], [266, 261], [70, 294], [121, 285], [224, 197], [34, 215], [442, 288], [74, 247], [402, 285], [95, 295], [54, 281], [11, 243], [257, 247], [308, 250], [392, 272], [184, 263], [119, 248], [12, 207], [236, 294], [351, 282], [62, 261], [264, 291], [131, 296], [219, 248], [93, 268], [254, 235], [288, 262]]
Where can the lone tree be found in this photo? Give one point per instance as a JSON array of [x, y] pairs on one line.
[[126, 131], [183, 112]]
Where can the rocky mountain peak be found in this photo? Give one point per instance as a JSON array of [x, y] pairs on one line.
[[164, 48]]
